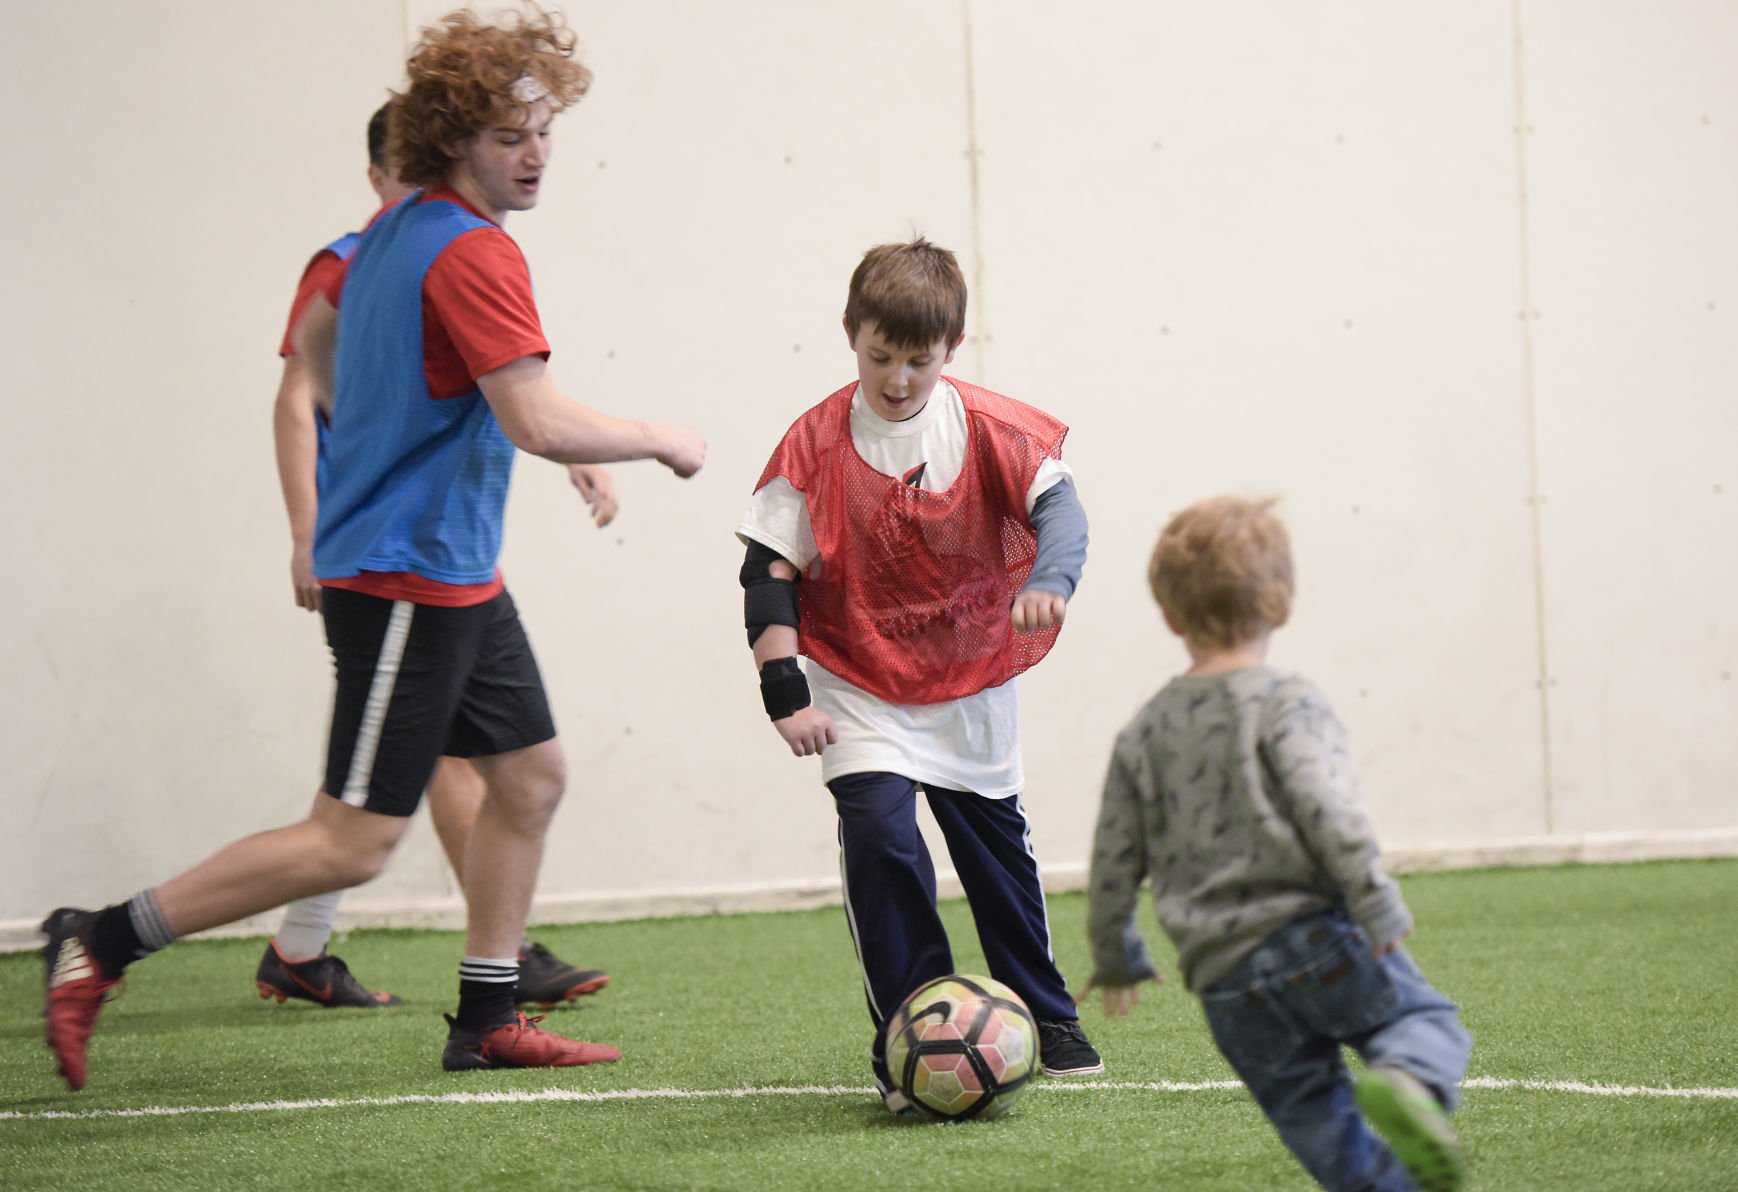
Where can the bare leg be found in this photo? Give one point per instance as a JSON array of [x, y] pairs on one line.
[[506, 846], [455, 795], [337, 846], [307, 922]]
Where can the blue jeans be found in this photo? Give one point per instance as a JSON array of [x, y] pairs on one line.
[[1281, 1016]]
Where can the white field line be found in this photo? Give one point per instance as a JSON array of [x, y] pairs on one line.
[[535, 1096]]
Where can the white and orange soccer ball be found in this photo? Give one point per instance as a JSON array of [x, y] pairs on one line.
[[962, 1047]]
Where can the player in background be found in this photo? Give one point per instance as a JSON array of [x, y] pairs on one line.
[[296, 963], [434, 378]]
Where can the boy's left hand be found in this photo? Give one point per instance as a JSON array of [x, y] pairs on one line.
[[1038, 610]]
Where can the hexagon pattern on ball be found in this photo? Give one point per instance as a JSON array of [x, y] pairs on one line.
[[962, 1047]]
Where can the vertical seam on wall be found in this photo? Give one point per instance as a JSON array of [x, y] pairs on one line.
[[976, 306], [1535, 498]]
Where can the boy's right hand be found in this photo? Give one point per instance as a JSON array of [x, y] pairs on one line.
[[302, 581], [807, 731], [684, 450]]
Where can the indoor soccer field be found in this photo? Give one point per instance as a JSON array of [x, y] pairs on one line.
[[1601, 999]]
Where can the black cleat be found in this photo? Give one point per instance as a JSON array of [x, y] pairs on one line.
[[325, 980], [547, 980]]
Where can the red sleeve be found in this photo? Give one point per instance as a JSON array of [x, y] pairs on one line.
[[316, 278], [478, 311], [334, 283]]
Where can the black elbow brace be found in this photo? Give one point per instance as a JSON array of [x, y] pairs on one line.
[[766, 600]]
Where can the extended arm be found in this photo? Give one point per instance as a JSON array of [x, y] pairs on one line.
[[539, 420]]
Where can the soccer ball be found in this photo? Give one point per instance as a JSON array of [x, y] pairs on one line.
[[962, 1047]]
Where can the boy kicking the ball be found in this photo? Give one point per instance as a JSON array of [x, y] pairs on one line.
[[917, 540], [1233, 789]]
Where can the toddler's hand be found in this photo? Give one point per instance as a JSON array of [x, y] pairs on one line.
[[1118, 999], [1390, 947]]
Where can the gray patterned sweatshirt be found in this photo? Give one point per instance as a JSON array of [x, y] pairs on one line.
[[1236, 794]]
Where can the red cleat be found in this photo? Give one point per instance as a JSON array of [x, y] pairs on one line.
[[519, 1044], [74, 991]]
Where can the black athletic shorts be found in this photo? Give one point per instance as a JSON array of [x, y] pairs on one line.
[[416, 682]]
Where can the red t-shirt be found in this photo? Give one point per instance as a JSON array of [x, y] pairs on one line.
[[478, 315], [477, 307], [315, 278]]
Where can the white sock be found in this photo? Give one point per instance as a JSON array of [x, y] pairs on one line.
[[307, 926]]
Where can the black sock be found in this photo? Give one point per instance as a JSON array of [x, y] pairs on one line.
[[114, 942], [486, 989], [128, 931]]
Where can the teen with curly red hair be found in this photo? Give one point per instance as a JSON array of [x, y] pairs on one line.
[[434, 377]]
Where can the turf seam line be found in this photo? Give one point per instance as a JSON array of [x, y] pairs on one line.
[[530, 1096]]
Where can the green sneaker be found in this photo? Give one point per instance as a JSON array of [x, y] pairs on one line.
[[1405, 1113]]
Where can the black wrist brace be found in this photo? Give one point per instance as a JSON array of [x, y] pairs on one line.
[[783, 689]]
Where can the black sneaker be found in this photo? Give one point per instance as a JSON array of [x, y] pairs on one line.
[[548, 980], [325, 980], [1063, 1049]]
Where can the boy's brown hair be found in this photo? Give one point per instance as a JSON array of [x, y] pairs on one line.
[[465, 78], [1222, 571], [914, 293]]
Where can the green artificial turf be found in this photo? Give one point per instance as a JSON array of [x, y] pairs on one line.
[[1580, 976]]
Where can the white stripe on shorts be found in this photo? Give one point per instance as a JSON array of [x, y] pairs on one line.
[[379, 696], [856, 941]]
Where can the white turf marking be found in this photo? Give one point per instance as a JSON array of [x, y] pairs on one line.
[[1475, 1082], [532, 1096]]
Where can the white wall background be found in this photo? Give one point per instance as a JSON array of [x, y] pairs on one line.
[[1454, 279]]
